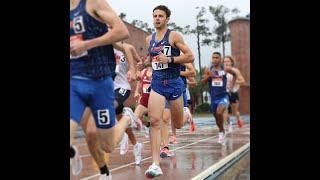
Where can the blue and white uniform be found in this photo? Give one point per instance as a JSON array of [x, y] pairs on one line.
[[92, 71], [166, 79], [218, 88]]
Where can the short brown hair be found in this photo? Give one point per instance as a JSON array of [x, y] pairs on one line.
[[163, 8], [233, 61]]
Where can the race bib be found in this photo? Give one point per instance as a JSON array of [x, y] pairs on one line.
[[157, 65], [122, 91], [221, 73], [146, 88], [167, 50], [103, 117], [78, 25], [122, 59], [77, 37], [217, 82]]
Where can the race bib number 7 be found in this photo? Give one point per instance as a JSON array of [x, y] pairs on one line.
[[167, 50]]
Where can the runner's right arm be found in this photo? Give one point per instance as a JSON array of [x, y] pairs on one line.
[[206, 76]]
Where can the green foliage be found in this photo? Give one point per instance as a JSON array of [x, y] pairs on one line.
[[220, 30]]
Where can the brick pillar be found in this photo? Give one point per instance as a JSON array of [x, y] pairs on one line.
[[240, 49]]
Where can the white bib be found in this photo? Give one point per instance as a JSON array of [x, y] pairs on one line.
[[217, 82], [158, 65]]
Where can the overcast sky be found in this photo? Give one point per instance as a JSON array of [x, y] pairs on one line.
[[183, 13]]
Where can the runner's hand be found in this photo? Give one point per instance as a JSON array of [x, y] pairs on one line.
[[131, 75], [77, 47]]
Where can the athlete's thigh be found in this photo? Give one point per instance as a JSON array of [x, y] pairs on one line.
[[101, 104], [156, 105]]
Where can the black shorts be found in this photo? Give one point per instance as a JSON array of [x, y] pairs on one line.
[[121, 95], [234, 97], [189, 102]]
